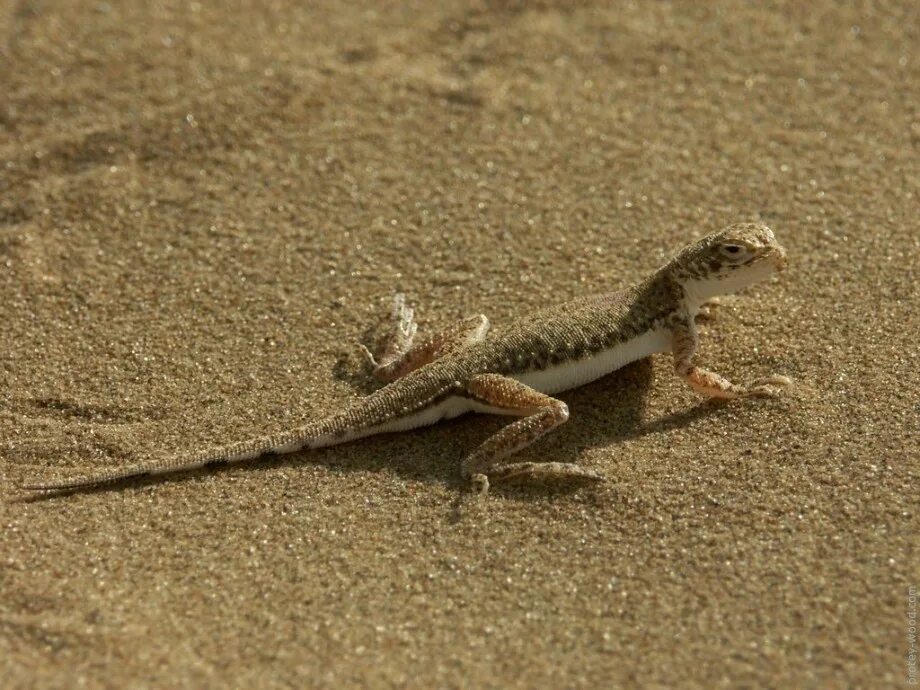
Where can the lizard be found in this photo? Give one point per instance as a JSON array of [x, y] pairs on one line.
[[517, 371]]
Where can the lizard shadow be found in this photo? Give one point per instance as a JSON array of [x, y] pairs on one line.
[[621, 417], [605, 411]]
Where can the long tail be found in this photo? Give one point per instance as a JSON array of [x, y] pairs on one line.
[[394, 408], [247, 450]]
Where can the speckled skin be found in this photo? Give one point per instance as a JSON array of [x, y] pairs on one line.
[[463, 368]]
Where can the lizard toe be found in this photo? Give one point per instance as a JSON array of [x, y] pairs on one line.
[[769, 387], [479, 483]]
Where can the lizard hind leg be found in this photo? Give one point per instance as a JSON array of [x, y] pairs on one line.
[[403, 353], [540, 414]]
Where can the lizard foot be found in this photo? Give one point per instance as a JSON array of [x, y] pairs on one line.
[[768, 387], [368, 355], [399, 341], [405, 321], [479, 483], [545, 471]]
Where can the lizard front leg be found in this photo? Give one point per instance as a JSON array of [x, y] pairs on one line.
[[403, 354], [708, 383], [541, 414]]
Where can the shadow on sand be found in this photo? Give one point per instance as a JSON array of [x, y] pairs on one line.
[[605, 412]]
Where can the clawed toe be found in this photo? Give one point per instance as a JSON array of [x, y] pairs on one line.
[[545, 472], [769, 386], [399, 304], [775, 380], [406, 325], [368, 356], [404, 316], [479, 483]]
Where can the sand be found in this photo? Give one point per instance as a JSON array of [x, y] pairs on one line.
[[203, 210]]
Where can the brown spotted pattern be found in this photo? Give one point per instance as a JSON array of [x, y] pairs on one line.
[[462, 362]]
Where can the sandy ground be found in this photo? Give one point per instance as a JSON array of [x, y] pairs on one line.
[[203, 210]]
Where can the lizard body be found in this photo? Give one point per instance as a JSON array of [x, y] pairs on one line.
[[515, 372]]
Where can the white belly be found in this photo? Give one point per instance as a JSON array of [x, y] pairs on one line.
[[446, 409], [558, 378], [574, 374]]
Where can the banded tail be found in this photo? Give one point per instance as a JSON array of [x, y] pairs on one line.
[[396, 407], [246, 450]]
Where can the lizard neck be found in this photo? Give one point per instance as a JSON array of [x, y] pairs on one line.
[[694, 287], [660, 295], [701, 288], [697, 292], [688, 291]]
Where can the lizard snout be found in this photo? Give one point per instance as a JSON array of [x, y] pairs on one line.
[[779, 258]]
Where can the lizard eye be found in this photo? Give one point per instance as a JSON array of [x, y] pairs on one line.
[[734, 251]]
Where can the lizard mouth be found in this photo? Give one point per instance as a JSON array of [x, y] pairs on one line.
[[779, 258]]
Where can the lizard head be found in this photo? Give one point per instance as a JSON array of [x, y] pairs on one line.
[[727, 261]]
